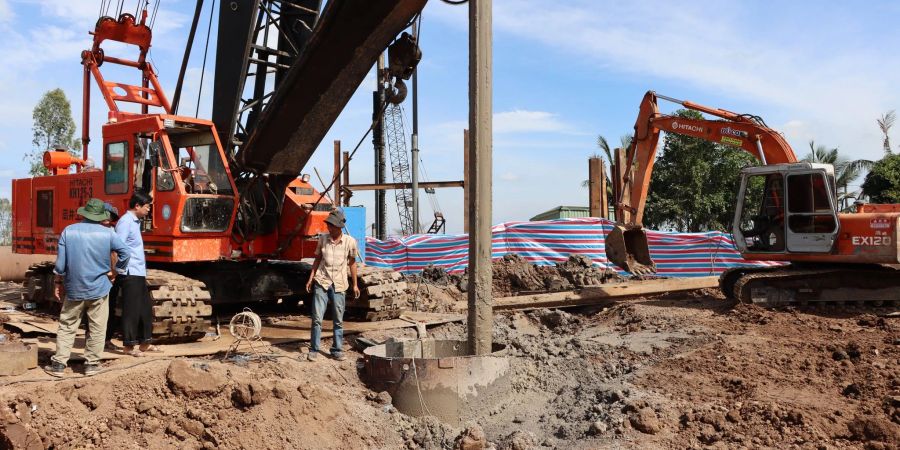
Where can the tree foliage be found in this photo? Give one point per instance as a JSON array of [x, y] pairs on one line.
[[694, 184], [845, 171], [882, 184], [885, 122], [53, 126], [5, 222]]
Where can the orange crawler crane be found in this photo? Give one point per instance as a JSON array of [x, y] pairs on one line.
[[786, 211], [223, 228]]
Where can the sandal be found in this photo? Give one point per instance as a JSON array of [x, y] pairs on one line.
[[136, 353], [152, 349]]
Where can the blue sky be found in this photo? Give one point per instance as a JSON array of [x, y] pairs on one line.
[[564, 72]]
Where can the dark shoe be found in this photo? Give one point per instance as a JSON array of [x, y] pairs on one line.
[[92, 369], [339, 357], [56, 369], [312, 356]]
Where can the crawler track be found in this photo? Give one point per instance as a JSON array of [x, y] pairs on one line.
[[789, 285], [181, 306], [38, 285]]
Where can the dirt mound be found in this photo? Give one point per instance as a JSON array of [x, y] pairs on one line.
[[513, 274], [580, 271], [194, 380], [159, 404]]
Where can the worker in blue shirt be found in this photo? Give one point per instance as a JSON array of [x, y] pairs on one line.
[[137, 312], [83, 281]]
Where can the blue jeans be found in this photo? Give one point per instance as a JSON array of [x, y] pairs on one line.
[[338, 304]]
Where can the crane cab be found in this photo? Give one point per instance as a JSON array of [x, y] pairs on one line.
[[787, 208]]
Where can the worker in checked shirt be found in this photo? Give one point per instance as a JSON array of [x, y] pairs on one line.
[[335, 255]]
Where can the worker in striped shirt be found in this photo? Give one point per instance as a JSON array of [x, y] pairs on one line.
[[336, 255]]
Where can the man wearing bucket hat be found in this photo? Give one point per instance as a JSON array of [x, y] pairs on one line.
[[335, 255], [83, 281]]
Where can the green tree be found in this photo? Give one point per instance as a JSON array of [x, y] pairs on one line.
[[694, 184], [53, 126], [882, 184], [5, 222], [845, 171], [885, 122]]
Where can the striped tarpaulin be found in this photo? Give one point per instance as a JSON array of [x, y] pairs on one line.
[[552, 241]]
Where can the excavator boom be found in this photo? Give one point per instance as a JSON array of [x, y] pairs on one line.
[[745, 132], [626, 244]]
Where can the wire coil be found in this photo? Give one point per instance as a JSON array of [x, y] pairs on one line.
[[245, 325]]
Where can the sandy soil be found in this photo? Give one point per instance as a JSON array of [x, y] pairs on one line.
[[681, 372]]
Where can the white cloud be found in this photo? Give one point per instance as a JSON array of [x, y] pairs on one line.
[[796, 130], [6, 13], [524, 121], [837, 86], [509, 176]]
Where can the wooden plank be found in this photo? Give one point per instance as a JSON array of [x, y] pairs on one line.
[[600, 294], [595, 206], [282, 332], [604, 201]]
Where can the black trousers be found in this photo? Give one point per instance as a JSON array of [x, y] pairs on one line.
[[137, 312], [112, 324]]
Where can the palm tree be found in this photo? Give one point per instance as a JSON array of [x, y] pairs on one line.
[[885, 123], [845, 171]]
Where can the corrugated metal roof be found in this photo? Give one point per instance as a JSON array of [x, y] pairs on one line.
[[563, 212]]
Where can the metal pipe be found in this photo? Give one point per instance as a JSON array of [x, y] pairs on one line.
[[337, 173], [85, 113], [346, 173], [424, 185], [187, 56], [762, 155], [481, 313], [671, 99], [415, 143], [378, 138]]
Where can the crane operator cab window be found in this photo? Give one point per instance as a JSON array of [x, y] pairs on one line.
[[203, 175], [762, 213], [199, 164]]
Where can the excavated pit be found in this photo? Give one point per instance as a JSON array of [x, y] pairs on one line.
[[438, 378]]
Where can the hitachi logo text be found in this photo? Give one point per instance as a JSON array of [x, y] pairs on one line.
[[687, 127]]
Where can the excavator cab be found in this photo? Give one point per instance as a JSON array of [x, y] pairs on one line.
[[786, 208]]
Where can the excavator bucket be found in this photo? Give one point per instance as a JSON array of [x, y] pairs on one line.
[[626, 247]]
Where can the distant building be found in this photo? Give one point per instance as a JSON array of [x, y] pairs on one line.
[[563, 212]]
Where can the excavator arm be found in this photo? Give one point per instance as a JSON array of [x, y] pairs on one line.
[[627, 243]]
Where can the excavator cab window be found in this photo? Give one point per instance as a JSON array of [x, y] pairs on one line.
[[762, 213], [809, 205]]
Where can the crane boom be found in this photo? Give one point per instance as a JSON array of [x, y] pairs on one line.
[[347, 40]]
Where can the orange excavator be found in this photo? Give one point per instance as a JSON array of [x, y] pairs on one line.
[[786, 211]]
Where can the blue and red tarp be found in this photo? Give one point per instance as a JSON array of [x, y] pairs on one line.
[[552, 241]]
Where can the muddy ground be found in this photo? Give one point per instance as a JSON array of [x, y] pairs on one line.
[[683, 372]]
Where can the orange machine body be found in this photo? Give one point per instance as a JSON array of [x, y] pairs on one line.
[[178, 160], [44, 205]]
